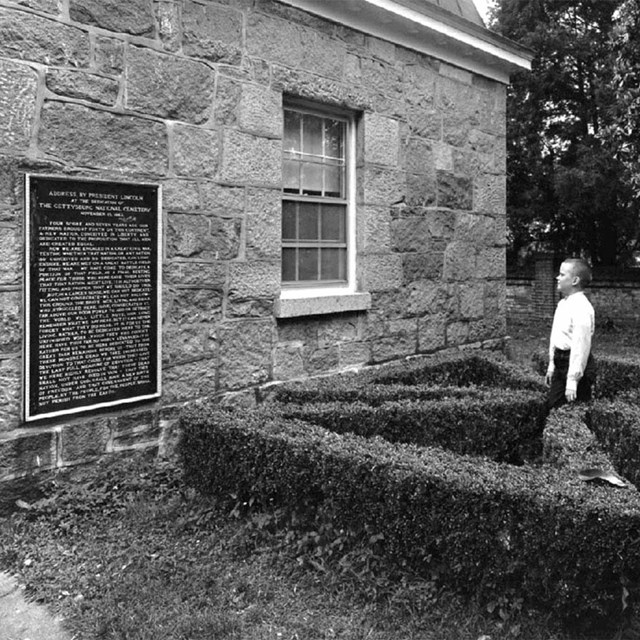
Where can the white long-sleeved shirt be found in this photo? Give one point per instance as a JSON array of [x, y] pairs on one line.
[[573, 327]]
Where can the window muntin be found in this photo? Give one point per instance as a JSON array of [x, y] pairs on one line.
[[315, 203]]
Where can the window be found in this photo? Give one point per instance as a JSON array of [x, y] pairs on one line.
[[316, 200]]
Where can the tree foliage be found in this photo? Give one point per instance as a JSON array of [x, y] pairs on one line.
[[568, 189]]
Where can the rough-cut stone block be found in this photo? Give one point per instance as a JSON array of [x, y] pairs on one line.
[[190, 381], [472, 300], [249, 309], [260, 111], [426, 123], [421, 189], [24, 451], [18, 93], [382, 78], [424, 265], [381, 49], [168, 86], [31, 37], [399, 341], [254, 280], [202, 237], [454, 192], [263, 221], [11, 396], [186, 342], [134, 16], [212, 32], [83, 86], [377, 228], [490, 194], [211, 275], [222, 199], [10, 255], [341, 328], [443, 155], [226, 105], [169, 24], [460, 261], [432, 332], [91, 138], [383, 186], [488, 328], [108, 55], [246, 352], [495, 301], [492, 263], [322, 90], [248, 159], [410, 234], [10, 321], [322, 360], [44, 6], [382, 271], [193, 305], [134, 429], [457, 333], [294, 45], [381, 139], [425, 297], [354, 354], [180, 195], [288, 362], [476, 229], [196, 151], [418, 156], [85, 440]]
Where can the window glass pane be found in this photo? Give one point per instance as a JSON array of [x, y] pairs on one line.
[[312, 179], [333, 181], [289, 221], [308, 221], [289, 265], [291, 140], [334, 136], [333, 223], [312, 134], [308, 264], [291, 176], [333, 264]]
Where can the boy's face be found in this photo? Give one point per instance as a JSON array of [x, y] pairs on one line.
[[566, 279]]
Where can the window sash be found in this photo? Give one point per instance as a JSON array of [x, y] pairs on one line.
[[315, 203]]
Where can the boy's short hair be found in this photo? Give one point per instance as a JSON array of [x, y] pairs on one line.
[[581, 269]]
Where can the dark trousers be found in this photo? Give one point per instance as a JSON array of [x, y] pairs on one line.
[[556, 397]]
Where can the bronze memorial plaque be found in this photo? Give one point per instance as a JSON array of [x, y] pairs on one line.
[[92, 294]]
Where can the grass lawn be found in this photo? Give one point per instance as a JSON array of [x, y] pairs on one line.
[[123, 550]]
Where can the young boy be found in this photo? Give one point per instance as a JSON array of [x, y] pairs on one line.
[[571, 369]]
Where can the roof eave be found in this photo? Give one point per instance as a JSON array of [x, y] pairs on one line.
[[429, 29]]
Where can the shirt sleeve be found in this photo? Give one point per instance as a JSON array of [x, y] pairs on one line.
[[580, 349]]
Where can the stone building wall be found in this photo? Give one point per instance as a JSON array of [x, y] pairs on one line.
[[188, 94]]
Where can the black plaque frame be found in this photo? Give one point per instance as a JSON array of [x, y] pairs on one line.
[[93, 294]]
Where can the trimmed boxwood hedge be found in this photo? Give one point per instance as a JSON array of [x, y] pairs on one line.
[[504, 425], [614, 375], [538, 533], [617, 426], [361, 448]]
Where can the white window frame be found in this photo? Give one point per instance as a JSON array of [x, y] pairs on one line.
[[298, 299], [293, 290]]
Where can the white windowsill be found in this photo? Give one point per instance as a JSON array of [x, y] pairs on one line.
[[321, 304]]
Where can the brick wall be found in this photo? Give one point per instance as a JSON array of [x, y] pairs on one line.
[[188, 94], [614, 294]]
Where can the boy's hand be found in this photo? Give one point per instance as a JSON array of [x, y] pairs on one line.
[[570, 395], [548, 378]]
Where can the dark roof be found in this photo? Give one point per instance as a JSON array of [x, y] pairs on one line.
[[464, 8]]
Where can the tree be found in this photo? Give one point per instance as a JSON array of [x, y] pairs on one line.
[[566, 187]]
